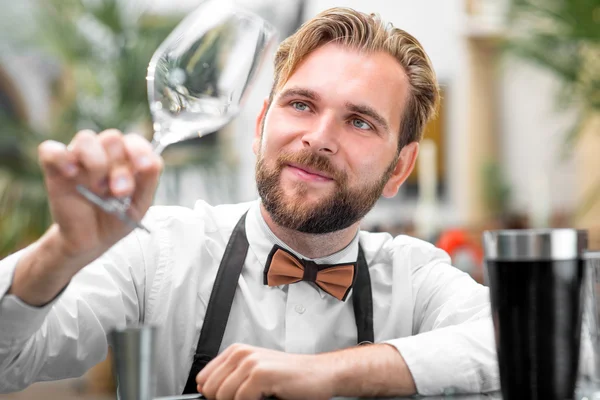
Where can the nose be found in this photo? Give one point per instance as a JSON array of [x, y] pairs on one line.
[[323, 137]]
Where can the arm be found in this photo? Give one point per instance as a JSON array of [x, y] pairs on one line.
[[109, 164], [48, 335], [248, 372], [67, 336], [452, 348], [377, 370], [45, 269]]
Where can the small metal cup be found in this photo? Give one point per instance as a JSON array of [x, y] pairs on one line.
[[134, 361]]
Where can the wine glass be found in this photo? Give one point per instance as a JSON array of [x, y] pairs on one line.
[[198, 79]]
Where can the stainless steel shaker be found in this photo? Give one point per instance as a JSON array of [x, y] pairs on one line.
[[536, 287]]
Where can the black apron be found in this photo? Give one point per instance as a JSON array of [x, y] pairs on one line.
[[221, 299]]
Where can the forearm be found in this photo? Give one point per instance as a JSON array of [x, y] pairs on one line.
[[460, 358], [369, 371], [44, 270]]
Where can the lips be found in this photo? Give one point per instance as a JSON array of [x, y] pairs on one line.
[[310, 172]]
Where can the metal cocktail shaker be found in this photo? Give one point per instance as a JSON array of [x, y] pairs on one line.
[[134, 361], [536, 287]]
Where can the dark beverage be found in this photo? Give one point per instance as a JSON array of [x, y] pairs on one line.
[[538, 350], [536, 289]]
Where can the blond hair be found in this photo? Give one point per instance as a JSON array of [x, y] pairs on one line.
[[369, 33]]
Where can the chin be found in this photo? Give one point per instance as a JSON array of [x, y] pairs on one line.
[[306, 196]]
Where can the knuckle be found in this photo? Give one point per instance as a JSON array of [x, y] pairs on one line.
[[112, 141], [137, 144], [110, 134], [208, 390], [82, 142], [251, 361], [243, 350], [50, 150], [43, 148], [259, 373], [96, 163], [237, 346], [97, 169], [121, 172], [134, 136], [84, 135]]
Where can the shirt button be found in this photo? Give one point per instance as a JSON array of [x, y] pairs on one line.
[[300, 309]]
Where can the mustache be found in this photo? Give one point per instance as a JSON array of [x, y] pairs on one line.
[[312, 160]]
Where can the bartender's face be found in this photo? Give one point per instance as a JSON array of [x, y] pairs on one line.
[[327, 145]]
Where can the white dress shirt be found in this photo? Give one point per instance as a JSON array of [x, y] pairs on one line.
[[434, 314]]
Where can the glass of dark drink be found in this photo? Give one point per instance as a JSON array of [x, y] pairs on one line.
[[536, 288]]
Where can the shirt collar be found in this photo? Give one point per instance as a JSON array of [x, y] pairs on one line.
[[262, 239]]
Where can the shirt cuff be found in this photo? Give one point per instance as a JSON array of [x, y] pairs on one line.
[[19, 319], [436, 365]]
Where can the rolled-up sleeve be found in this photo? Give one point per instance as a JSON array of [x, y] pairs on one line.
[[17, 319], [452, 348], [69, 335]]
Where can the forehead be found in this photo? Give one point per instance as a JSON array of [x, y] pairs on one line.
[[340, 75]]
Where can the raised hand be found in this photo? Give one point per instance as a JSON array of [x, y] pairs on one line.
[[108, 163]]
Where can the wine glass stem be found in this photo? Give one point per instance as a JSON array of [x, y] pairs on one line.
[[157, 146]]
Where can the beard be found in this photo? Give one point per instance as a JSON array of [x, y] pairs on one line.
[[337, 211]]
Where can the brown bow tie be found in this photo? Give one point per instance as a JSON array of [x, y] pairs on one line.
[[284, 268]]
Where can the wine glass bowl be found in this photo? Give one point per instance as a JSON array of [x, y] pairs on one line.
[[199, 76], [198, 79]]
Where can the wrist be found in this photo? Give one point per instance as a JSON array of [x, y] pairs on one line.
[[45, 269], [368, 370], [333, 372], [328, 371]]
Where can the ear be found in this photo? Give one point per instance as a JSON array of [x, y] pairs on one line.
[[259, 125], [404, 166]]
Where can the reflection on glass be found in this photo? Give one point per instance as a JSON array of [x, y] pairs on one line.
[[199, 77]]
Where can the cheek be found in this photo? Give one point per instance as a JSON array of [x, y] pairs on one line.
[[282, 134], [360, 157], [366, 167]]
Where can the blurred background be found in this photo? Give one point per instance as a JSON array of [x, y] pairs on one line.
[[516, 143]]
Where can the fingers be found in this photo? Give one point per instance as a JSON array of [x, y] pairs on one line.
[[249, 390], [214, 365], [109, 163], [233, 383], [120, 175], [227, 371], [235, 352], [117, 162], [55, 159], [139, 152], [236, 373], [91, 155], [147, 167]]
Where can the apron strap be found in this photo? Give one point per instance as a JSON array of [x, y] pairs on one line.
[[219, 304], [362, 300]]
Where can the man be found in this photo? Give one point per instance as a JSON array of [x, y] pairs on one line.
[[384, 316]]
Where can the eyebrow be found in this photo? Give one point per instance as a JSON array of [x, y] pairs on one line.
[[369, 112], [309, 94]]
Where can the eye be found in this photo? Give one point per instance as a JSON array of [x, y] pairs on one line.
[[299, 106], [360, 124]]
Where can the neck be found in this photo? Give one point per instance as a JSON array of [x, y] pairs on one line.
[[309, 244]]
